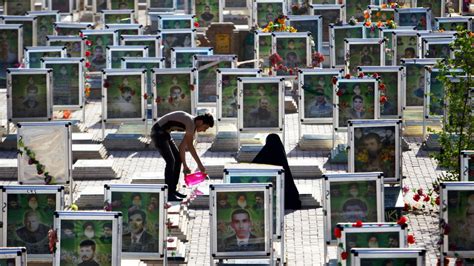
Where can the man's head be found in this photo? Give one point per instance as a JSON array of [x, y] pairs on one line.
[[89, 229], [67, 228], [354, 209], [136, 199], [357, 103], [241, 223], [320, 94], [222, 199], [258, 199], [175, 92], [51, 201], [203, 122], [12, 201], [31, 221], [136, 221], [87, 250], [263, 103], [207, 9], [372, 143], [33, 201], [107, 227]]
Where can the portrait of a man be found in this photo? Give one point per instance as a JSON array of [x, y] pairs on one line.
[[138, 239], [33, 231], [87, 253], [243, 239], [320, 106]]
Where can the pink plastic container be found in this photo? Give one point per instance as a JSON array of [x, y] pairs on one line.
[[194, 179]]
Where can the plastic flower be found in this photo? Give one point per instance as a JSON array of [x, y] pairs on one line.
[[358, 223], [411, 239], [145, 96], [344, 255], [383, 99], [87, 53], [334, 80], [88, 43], [337, 232], [87, 64], [366, 14], [403, 220], [368, 23]]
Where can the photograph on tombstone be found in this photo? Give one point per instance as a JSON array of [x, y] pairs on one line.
[[121, 4], [123, 94], [263, 49], [390, 47], [33, 55], [206, 11], [183, 56], [355, 9], [99, 6], [68, 82], [12, 50], [312, 24], [88, 238], [148, 64], [151, 41], [161, 4], [453, 23], [12, 256], [71, 29], [29, 94], [265, 11], [418, 17], [143, 219], [45, 25], [29, 28], [173, 91], [294, 49], [174, 22], [372, 32], [63, 6], [355, 99], [378, 13], [175, 38], [74, 45], [28, 215], [337, 34], [437, 48], [317, 94], [467, 165], [124, 29], [363, 52], [435, 104], [415, 84], [118, 16], [206, 79], [331, 14], [18, 7], [99, 40], [388, 256], [434, 5], [116, 53]]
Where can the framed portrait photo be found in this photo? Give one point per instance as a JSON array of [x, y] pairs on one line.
[[68, 81], [405, 45], [74, 45], [263, 49], [355, 99], [331, 14], [316, 94], [467, 165], [453, 23], [17, 7], [436, 7], [294, 48], [436, 106], [227, 91], [351, 197], [260, 174], [393, 78], [337, 34], [99, 5], [146, 63], [206, 75], [174, 22], [143, 208], [66, 6], [118, 16], [456, 212], [415, 82], [122, 4], [27, 217], [378, 13], [29, 27], [260, 104], [265, 11], [355, 9], [44, 24], [375, 147], [388, 36], [242, 217], [312, 24], [33, 55], [88, 237], [419, 17], [437, 48], [382, 256], [173, 91], [370, 235], [99, 39], [13, 256], [175, 38], [160, 4], [71, 29], [206, 12], [125, 29], [151, 41], [184, 56], [116, 53], [363, 52], [12, 43], [123, 95], [29, 94]]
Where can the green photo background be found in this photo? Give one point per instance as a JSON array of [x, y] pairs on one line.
[[461, 220], [392, 262], [372, 32], [308, 26], [373, 239], [35, 57], [45, 27], [435, 6], [389, 49], [436, 95], [390, 80], [185, 59], [65, 83], [207, 91], [339, 36], [151, 46], [347, 109], [265, 49], [27, 31], [229, 94], [117, 19], [228, 202], [127, 32], [98, 58], [406, 47], [117, 56], [415, 87], [363, 55], [293, 52], [29, 96], [417, 20], [73, 48], [267, 12], [7, 262], [172, 24], [124, 96], [318, 91], [149, 203], [452, 26], [257, 114], [69, 246], [351, 201], [40, 209], [470, 173], [9, 53], [171, 40], [356, 9], [329, 17], [68, 31], [123, 4], [148, 75], [207, 12], [374, 150], [438, 51], [173, 93], [18, 7]]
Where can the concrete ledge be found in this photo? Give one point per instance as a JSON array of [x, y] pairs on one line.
[[94, 170], [88, 151], [9, 169]]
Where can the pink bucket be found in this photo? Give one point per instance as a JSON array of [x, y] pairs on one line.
[[195, 178]]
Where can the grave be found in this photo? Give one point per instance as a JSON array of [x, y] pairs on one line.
[[94, 169], [9, 169], [88, 151]]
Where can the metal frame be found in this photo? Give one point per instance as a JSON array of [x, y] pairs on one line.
[[413, 61], [193, 11], [129, 48], [377, 8], [162, 18], [18, 254], [243, 12], [51, 39], [28, 72], [266, 188], [319, 27], [19, 30], [397, 125], [358, 254], [42, 49], [255, 4], [71, 6], [182, 50], [257, 57], [443, 41], [375, 228], [441, 20], [22, 20], [181, 31], [235, 8], [114, 217], [387, 34], [5, 6], [293, 35], [401, 84], [466, 156], [120, 27], [80, 26], [162, 190], [407, 33], [129, 12], [58, 191], [39, 14], [342, 14], [113, 34], [144, 40], [148, 4], [46, 127], [332, 40], [413, 10], [380, 42]]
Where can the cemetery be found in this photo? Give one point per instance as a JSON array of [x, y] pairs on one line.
[[236, 132]]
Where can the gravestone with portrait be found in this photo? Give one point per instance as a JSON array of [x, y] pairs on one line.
[[391, 256], [221, 36], [13, 256]]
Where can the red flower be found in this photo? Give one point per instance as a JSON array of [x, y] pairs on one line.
[[334, 80], [437, 200], [427, 198], [87, 53], [358, 223], [339, 93], [375, 75], [416, 197], [275, 59], [420, 191], [459, 262], [88, 43], [381, 86], [344, 255], [88, 64], [158, 100], [196, 24], [403, 220], [106, 84], [191, 87], [446, 229], [290, 71], [270, 72], [337, 232], [81, 34], [347, 76], [361, 74], [145, 96], [183, 96], [411, 239], [383, 99]]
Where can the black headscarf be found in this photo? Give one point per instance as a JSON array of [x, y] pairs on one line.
[[274, 153]]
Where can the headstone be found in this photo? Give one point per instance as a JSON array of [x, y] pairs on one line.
[[221, 36]]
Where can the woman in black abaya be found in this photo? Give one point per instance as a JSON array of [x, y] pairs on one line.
[[274, 153]]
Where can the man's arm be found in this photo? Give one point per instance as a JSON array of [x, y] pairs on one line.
[[188, 143]]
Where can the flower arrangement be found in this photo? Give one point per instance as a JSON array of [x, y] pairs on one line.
[[380, 23], [279, 25], [40, 168]]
